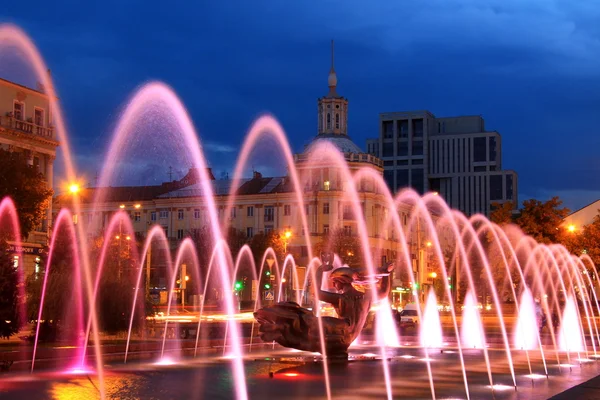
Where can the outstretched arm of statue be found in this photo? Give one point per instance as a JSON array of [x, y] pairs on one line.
[[323, 295], [386, 282]]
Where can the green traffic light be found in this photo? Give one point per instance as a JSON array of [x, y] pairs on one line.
[[268, 273], [267, 286], [238, 285]]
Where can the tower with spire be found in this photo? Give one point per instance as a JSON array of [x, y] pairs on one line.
[[332, 108]]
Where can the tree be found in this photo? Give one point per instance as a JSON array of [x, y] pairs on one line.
[[585, 241], [26, 187], [262, 241], [502, 214], [9, 293], [117, 284], [348, 248], [541, 220]]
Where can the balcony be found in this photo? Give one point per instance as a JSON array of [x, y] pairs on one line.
[[26, 127]]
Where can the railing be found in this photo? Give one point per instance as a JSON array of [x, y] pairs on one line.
[[27, 127]]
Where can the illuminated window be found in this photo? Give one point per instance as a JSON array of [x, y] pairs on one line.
[[326, 185], [325, 208]]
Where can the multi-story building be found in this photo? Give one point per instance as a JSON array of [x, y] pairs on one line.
[[454, 156], [26, 128]]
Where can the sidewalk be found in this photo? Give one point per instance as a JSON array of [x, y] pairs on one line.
[[589, 390]]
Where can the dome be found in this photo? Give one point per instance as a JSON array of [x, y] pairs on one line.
[[340, 142]]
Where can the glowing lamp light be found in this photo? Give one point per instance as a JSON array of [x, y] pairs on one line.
[[291, 374], [571, 228], [117, 237], [74, 188], [127, 237], [288, 234], [137, 206], [283, 280], [428, 244], [122, 206], [433, 275], [187, 278]]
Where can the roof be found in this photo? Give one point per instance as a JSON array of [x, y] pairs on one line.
[[343, 143], [256, 185], [117, 194]]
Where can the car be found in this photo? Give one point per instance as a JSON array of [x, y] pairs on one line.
[[409, 316]]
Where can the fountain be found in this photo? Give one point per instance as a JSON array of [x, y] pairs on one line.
[[219, 339]]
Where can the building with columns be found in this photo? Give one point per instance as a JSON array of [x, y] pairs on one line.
[[26, 127]]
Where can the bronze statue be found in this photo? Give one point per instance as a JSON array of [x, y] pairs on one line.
[[293, 326]]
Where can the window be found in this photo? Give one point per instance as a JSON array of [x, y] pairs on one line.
[[388, 177], [233, 212], [36, 163], [180, 234], [328, 121], [417, 161], [417, 125], [306, 208], [337, 121], [38, 117], [196, 213], [403, 148], [326, 185], [388, 163], [403, 128], [417, 177], [269, 214], [388, 150], [347, 230], [18, 110], [164, 214], [401, 178], [347, 212], [287, 209], [268, 229], [496, 187], [509, 187], [479, 149], [179, 214], [388, 129], [249, 232], [402, 162], [325, 208], [137, 216], [417, 148], [153, 216], [250, 212], [479, 168], [492, 155], [325, 229]]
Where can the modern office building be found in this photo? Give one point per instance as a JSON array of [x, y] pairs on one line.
[[26, 127], [454, 156]]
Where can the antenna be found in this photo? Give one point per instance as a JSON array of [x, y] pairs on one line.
[[332, 58], [170, 174]]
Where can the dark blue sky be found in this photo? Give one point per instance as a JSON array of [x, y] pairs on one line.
[[531, 68]]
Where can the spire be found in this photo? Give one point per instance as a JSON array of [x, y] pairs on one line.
[[332, 80], [332, 57]]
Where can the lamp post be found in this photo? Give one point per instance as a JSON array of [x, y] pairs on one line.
[[287, 235]]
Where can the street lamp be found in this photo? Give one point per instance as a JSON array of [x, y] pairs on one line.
[[571, 228], [74, 188], [287, 235]]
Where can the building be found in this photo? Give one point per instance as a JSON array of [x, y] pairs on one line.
[[26, 127], [454, 156], [265, 204], [582, 217]]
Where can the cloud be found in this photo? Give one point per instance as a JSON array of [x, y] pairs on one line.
[[218, 147]]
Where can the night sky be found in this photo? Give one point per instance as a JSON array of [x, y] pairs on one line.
[[531, 68]]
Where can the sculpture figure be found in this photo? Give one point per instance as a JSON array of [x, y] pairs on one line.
[[293, 326]]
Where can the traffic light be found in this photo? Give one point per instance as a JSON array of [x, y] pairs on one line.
[[238, 286], [267, 286], [415, 285], [268, 273]]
